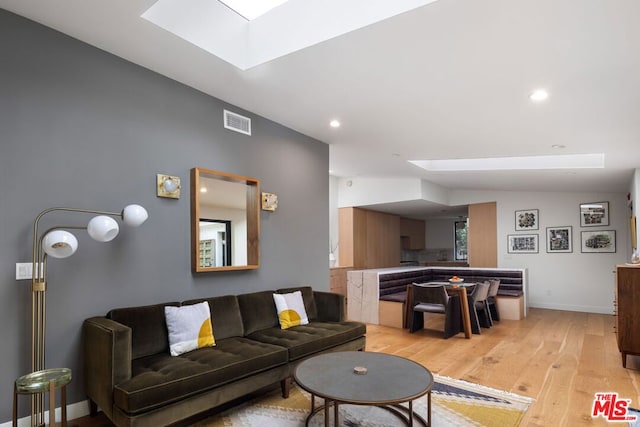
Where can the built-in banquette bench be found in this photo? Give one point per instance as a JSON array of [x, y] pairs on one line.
[[378, 296]]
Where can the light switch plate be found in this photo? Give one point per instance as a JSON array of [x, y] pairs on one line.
[[24, 270]]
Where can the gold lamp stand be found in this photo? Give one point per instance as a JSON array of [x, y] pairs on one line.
[[59, 243]]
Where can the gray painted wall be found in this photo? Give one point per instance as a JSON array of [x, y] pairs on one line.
[[82, 128]]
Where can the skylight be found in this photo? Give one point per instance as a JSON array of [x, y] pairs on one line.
[[225, 29], [251, 9], [574, 161]]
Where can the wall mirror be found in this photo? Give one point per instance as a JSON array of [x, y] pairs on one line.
[[225, 221]]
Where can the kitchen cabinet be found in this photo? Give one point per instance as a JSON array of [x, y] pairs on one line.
[[482, 234], [627, 316], [368, 239], [412, 233]]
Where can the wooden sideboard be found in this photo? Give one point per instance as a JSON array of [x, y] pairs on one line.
[[626, 310]]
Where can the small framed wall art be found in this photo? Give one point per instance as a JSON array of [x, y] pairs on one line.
[[522, 243], [594, 214], [559, 239], [527, 220], [598, 241]]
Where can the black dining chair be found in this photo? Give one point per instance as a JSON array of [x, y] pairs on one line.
[[478, 308], [491, 299], [433, 299]]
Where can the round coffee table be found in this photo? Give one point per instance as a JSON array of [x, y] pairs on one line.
[[365, 378]]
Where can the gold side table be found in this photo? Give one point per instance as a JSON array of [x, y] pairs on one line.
[[45, 381]]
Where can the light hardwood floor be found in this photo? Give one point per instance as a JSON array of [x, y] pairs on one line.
[[559, 358]]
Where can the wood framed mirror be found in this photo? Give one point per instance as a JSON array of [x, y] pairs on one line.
[[225, 221]]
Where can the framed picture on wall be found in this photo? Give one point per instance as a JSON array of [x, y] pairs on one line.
[[522, 243], [559, 239], [594, 214], [598, 241], [527, 220]]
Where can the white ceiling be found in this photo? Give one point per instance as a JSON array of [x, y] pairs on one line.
[[447, 80]]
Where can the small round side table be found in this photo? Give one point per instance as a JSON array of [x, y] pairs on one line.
[[45, 381]]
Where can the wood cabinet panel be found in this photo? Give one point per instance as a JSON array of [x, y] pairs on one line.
[[627, 315], [482, 235], [383, 244], [345, 236], [412, 233], [368, 239]]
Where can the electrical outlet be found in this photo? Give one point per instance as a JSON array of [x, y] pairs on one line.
[[24, 270]]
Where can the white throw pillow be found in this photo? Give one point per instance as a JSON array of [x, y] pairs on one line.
[[189, 328], [291, 311]]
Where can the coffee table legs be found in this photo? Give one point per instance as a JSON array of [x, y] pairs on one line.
[[326, 406], [403, 412]]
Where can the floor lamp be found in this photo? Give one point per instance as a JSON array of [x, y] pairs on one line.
[[59, 243]]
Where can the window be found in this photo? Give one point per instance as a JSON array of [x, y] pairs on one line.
[[460, 230]]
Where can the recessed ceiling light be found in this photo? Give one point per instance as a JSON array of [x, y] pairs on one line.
[[558, 146], [203, 189], [539, 95], [334, 123]]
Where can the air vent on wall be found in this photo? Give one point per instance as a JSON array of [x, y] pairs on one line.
[[236, 122]]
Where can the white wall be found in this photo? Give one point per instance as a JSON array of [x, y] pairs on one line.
[[565, 281], [370, 191]]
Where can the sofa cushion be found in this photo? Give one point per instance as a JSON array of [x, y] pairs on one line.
[[258, 311], [189, 327], [161, 379], [308, 298], [148, 328], [290, 308], [304, 340], [225, 316]]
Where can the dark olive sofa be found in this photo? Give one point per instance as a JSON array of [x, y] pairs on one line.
[[131, 376]]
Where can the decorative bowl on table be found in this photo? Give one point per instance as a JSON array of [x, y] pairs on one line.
[[455, 280]]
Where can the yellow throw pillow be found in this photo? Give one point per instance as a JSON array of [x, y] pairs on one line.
[[189, 328], [290, 309]]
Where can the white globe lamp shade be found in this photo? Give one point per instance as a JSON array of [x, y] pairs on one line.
[[134, 215], [59, 244], [170, 186], [103, 228]]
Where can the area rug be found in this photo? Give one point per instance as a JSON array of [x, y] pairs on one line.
[[454, 403]]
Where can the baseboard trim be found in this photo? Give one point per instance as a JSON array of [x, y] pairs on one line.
[[75, 410], [581, 308]]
